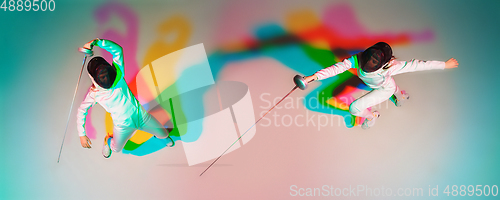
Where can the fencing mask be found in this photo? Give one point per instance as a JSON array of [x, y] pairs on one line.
[[102, 72], [375, 57]]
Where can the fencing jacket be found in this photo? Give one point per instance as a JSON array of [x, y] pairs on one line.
[[118, 100], [381, 77]]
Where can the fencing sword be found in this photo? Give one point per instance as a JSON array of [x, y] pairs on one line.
[[299, 83], [88, 53]]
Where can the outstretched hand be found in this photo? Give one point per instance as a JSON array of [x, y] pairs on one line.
[[451, 63], [90, 45], [85, 141], [311, 78]]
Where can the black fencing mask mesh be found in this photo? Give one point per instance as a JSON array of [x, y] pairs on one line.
[[103, 73], [376, 56]]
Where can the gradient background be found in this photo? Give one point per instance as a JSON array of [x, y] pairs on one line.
[[447, 134]]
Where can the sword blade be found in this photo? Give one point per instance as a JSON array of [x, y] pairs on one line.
[[71, 108], [294, 88]]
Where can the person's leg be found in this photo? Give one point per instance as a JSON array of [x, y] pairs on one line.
[[120, 137], [151, 125], [399, 97], [360, 106], [106, 150]]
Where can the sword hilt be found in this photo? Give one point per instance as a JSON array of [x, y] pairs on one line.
[[87, 52], [300, 82]]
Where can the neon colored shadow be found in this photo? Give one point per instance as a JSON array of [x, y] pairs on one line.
[[307, 44], [166, 74]]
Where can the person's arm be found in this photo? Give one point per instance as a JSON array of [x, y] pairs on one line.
[[400, 67], [333, 70], [81, 117]]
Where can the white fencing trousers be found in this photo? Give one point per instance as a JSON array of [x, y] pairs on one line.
[[121, 134], [360, 106]]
